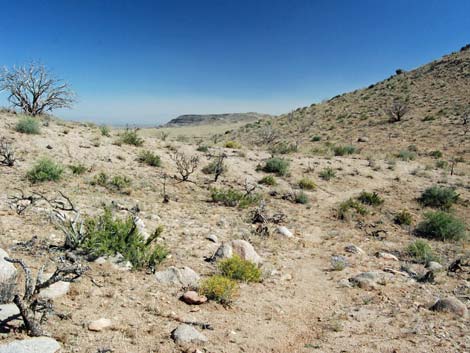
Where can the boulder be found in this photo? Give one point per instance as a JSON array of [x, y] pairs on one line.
[[451, 305], [184, 334], [31, 345], [183, 277], [245, 250], [8, 275], [56, 290], [285, 232], [434, 266], [99, 325], [193, 298], [365, 280], [7, 310]]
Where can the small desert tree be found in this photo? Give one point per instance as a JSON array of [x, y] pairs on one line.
[[35, 90], [185, 164], [397, 110]]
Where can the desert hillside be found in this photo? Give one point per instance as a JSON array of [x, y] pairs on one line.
[[202, 119], [339, 257]]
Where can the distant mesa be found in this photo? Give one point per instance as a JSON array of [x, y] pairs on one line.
[[202, 119]]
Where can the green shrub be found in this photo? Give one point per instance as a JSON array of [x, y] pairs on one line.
[[276, 165], [150, 159], [219, 288], [203, 148], [130, 137], [406, 155], [105, 131], [348, 205], [403, 218], [307, 184], [441, 226], [315, 138], [268, 180], [45, 170], [116, 183], [439, 197], [327, 174], [370, 198], [301, 197], [77, 169], [421, 251], [28, 125], [101, 179], [284, 148], [233, 198], [109, 235], [239, 269], [436, 154], [232, 144], [442, 164], [344, 150]]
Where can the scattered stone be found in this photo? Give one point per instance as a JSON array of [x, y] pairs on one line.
[[285, 232], [7, 310], [345, 283], [56, 290], [7, 279], [213, 238], [246, 251], [118, 262], [386, 256], [434, 266], [353, 249], [139, 223], [450, 305], [363, 139], [193, 298], [365, 280], [31, 345], [187, 334], [184, 277], [99, 325]]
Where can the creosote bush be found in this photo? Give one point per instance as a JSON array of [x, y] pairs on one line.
[[28, 125], [370, 198], [327, 174], [45, 170], [407, 155], [116, 183], [150, 159], [105, 131], [441, 225], [348, 205], [232, 198], [276, 165], [344, 150], [439, 197], [107, 235], [130, 137], [301, 197], [202, 148], [232, 144], [238, 269], [421, 251], [403, 218], [219, 288], [307, 184], [284, 148], [268, 180], [77, 169]]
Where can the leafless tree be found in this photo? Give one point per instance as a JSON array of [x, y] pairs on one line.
[[35, 90], [268, 134], [34, 309], [7, 153], [186, 165], [397, 111]]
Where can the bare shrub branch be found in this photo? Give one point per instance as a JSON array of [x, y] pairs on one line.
[[6, 153], [397, 111], [186, 165]]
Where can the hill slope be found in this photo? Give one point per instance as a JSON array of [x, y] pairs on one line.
[[437, 94], [200, 119]]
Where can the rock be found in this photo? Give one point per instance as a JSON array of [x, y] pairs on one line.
[[365, 280], [213, 238], [386, 256], [7, 279], [450, 305], [345, 283], [245, 250], [139, 223], [7, 310], [31, 345], [187, 334], [193, 298], [184, 277], [363, 139], [434, 266], [285, 232], [119, 262], [58, 289], [224, 251], [353, 249], [99, 325]]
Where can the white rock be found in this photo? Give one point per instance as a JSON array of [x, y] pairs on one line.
[[353, 249], [99, 325], [7, 310], [139, 223], [7, 279], [54, 291], [31, 345], [285, 232], [386, 256], [237, 247], [434, 266], [213, 238], [187, 334], [184, 277]]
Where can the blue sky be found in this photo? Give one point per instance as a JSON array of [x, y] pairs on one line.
[[148, 61]]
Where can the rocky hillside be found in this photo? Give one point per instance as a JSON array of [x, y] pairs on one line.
[[195, 119], [437, 95]]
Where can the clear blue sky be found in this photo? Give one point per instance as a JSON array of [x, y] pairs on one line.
[[148, 61]]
